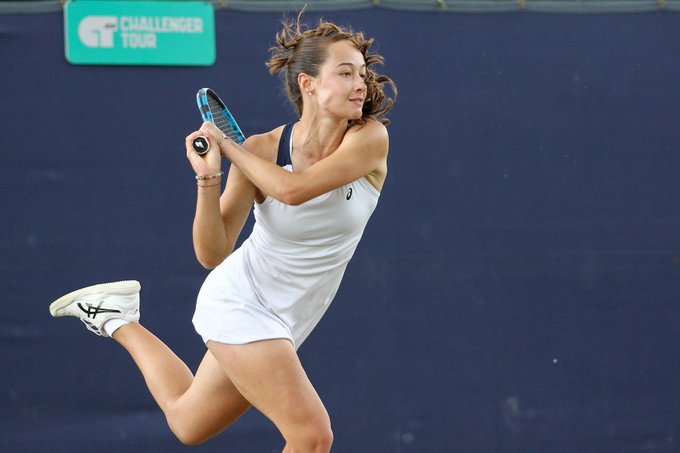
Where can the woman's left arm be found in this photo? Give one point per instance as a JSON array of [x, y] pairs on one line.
[[362, 151]]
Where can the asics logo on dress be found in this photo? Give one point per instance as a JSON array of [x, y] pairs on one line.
[[92, 310], [349, 193]]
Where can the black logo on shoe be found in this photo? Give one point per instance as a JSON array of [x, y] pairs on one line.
[[91, 326], [349, 193], [93, 310]]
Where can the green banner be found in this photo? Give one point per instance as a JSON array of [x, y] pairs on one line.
[[173, 33]]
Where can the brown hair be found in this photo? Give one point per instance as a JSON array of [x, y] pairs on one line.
[[303, 50]]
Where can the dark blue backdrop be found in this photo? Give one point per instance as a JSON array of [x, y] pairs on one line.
[[516, 290]]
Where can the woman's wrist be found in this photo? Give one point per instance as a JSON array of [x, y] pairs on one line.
[[209, 180], [209, 176], [207, 186]]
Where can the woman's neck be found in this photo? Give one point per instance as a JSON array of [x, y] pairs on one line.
[[316, 139]]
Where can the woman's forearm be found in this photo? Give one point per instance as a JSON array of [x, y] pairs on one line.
[[211, 243], [267, 176]]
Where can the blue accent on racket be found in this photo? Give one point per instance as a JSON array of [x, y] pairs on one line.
[[214, 110]]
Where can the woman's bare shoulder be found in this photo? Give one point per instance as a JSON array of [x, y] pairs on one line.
[[372, 134], [370, 128], [264, 145]]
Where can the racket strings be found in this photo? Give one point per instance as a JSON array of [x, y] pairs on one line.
[[222, 122]]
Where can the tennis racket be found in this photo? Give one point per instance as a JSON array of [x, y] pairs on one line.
[[214, 110]]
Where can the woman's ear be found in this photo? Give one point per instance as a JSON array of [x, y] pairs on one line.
[[306, 83]]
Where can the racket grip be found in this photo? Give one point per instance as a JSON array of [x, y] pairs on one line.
[[201, 145]]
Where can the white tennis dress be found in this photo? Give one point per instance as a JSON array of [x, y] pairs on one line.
[[282, 279]]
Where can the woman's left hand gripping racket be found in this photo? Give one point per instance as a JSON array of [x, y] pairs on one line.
[[213, 109]]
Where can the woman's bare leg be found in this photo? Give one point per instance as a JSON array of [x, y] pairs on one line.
[[270, 376], [196, 408]]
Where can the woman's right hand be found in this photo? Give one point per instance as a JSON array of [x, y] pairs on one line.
[[209, 163]]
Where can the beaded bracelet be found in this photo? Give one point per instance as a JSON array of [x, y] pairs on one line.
[[203, 178]]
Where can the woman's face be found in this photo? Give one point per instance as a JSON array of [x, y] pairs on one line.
[[340, 89]]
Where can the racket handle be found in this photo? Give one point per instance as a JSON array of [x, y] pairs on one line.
[[200, 145]]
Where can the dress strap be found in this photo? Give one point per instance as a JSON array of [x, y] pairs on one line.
[[283, 157]]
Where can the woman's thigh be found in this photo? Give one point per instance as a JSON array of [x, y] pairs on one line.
[[210, 405], [270, 376]]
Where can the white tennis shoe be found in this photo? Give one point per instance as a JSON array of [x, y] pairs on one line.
[[97, 304]]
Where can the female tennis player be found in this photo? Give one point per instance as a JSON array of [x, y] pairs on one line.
[[313, 185]]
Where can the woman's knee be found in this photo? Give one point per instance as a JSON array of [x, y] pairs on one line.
[[186, 434], [186, 428], [317, 438], [188, 438], [325, 440]]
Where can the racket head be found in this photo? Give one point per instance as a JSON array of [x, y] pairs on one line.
[[214, 110]]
